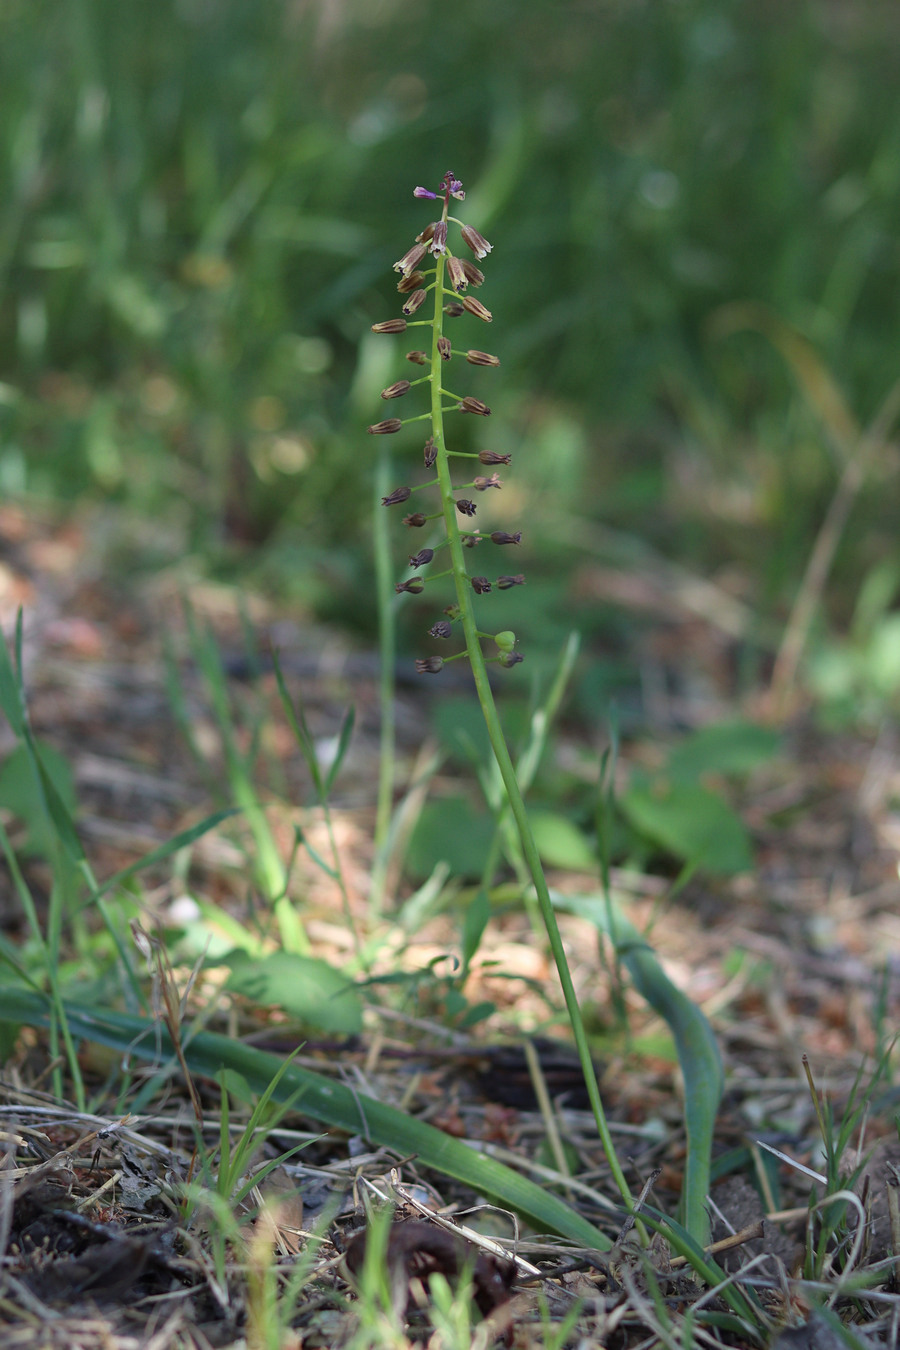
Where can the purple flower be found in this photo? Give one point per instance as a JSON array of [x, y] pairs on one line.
[[423, 192]]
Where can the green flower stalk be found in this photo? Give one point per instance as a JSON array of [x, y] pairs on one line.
[[430, 266]]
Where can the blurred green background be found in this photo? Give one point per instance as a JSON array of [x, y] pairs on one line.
[[201, 201]]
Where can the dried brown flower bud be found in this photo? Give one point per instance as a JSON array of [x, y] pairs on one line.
[[456, 274], [454, 309], [410, 283], [390, 326], [415, 586], [491, 457], [411, 259], [445, 348], [504, 583], [480, 585], [430, 452], [418, 358], [415, 300], [510, 658], [416, 520], [385, 428], [429, 665], [473, 306], [419, 559], [472, 540], [442, 629], [482, 483], [501, 537], [477, 242], [476, 358], [426, 235], [473, 405], [465, 507], [474, 275], [439, 237], [396, 390], [400, 494]]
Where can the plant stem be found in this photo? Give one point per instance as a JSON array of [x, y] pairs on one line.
[[499, 746]]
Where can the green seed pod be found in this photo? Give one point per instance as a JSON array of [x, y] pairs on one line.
[[505, 640]]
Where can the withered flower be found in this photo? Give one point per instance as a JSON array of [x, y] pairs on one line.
[[400, 494], [504, 583], [418, 358], [481, 483], [385, 428], [414, 302], [429, 665], [416, 520], [458, 279], [473, 306], [410, 283], [454, 309], [439, 237], [390, 326], [491, 457], [476, 358], [501, 537], [411, 259], [396, 390], [445, 348], [430, 452], [442, 629], [465, 507], [474, 275], [480, 585], [415, 586], [419, 559], [472, 405], [510, 658], [477, 242]]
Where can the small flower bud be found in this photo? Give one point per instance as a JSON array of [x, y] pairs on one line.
[[400, 494], [415, 300], [418, 358], [473, 306], [423, 192], [465, 507], [429, 665], [430, 452], [491, 457], [410, 283], [426, 234], [390, 326], [472, 540], [501, 537], [469, 405], [445, 348], [504, 583], [454, 309], [452, 612], [477, 242], [474, 275], [480, 585], [396, 390], [419, 559], [481, 483], [411, 259], [475, 358], [441, 629], [506, 640], [415, 586], [416, 520], [439, 237], [511, 658], [385, 428], [458, 279]]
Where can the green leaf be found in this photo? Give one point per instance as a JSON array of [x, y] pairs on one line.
[[692, 824], [324, 1100], [729, 748], [449, 830], [24, 784], [562, 844], [310, 989]]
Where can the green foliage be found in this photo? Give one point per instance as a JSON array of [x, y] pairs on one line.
[[308, 988]]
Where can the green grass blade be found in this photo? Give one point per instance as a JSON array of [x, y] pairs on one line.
[[323, 1100]]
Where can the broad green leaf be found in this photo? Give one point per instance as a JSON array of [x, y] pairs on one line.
[[730, 747], [310, 989], [692, 824], [323, 1099], [561, 843], [449, 830]]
